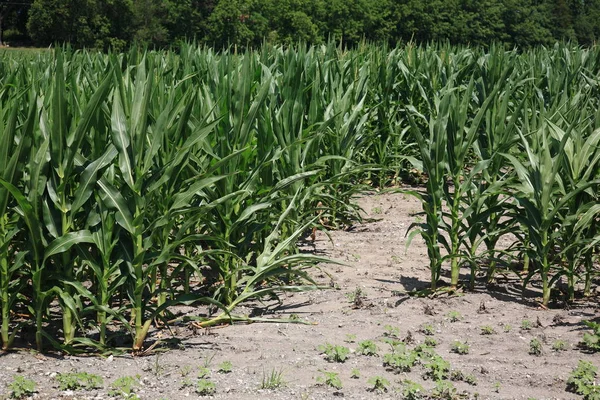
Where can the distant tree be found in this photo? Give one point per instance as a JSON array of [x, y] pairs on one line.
[[11, 15], [83, 23], [286, 21], [229, 24], [483, 22], [149, 22], [561, 19], [528, 22], [586, 20], [187, 19]]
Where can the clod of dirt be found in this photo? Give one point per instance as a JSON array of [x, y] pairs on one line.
[[428, 310], [482, 309]]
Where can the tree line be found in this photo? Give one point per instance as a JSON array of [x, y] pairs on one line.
[[118, 23]]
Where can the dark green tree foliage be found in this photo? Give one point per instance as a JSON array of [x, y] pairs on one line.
[[229, 23], [586, 20], [149, 21], [13, 19], [528, 22], [187, 19], [83, 23], [288, 21], [222, 23]]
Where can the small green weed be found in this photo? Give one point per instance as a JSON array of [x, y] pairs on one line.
[[395, 344], [424, 352], [526, 325], [331, 379], [535, 347], [378, 384], [460, 347], [430, 341], [335, 353], [487, 330], [583, 381], [125, 387], [356, 296], [205, 387], [186, 382], [457, 375], [454, 316], [21, 387], [591, 341], [427, 329], [507, 328], [559, 345], [355, 373], [437, 368], [497, 387], [400, 361], [79, 381], [391, 331], [471, 380], [203, 372], [350, 338], [412, 390], [444, 390], [367, 348], [225, 367]]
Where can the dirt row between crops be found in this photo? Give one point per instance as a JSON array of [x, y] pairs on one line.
[[383, 271]]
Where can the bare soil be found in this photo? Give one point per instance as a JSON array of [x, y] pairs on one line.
[[382, 271]]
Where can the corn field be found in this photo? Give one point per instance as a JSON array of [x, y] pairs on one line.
[[132, 183]]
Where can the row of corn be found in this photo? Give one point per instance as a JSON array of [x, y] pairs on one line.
[[132, 183]]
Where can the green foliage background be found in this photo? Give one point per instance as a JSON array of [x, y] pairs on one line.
[[220, 23]]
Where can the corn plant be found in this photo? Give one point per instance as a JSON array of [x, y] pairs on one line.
[[12, 264], [537, 192]]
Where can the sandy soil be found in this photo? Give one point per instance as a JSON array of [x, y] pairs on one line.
[[381, 269]]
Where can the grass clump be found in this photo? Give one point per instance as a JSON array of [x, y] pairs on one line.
[[272, 380]]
